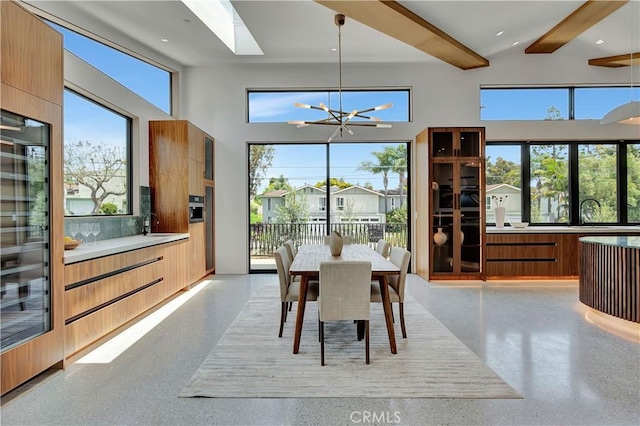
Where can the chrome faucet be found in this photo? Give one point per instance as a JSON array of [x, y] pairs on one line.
[[584, 201], [145, 222]]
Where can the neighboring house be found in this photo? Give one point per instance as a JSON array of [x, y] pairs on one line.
[[512, 202], [77, 198], [352, 204]]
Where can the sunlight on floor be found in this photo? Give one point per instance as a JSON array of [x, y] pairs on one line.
[[113, 348]]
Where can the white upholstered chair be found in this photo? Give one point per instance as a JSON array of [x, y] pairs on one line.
[[345, 288], [289, 289], [399, 257], [291, 251], [383, 247]]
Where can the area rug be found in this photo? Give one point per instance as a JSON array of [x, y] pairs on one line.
[[250, 361]]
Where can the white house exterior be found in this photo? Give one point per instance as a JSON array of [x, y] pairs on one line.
[[511, 201], [352, 204]]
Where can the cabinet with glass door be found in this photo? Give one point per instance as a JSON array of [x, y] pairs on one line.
[[457, 203]]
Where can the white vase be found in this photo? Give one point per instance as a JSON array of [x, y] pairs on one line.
[[499, 211], [335, 243], [440, 237], [461, 237]]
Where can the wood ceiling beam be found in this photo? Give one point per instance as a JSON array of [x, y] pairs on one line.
[[624, 60], [395, 20], [583, 18]]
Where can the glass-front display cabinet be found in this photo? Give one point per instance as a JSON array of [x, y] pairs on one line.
[[24, 205], [457, 202]]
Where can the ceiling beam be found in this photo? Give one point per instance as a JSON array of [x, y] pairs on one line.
[[624, 60], [395, 20], [583, 18]]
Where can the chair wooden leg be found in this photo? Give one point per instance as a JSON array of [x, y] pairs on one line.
[[321, 343], [283, 316], [366, 340], [404, 330], [290, 306], [360, 329], [393, 317]]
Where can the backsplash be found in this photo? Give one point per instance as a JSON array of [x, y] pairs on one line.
[[114, 226]]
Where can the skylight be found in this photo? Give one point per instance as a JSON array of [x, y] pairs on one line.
[[221, 18]]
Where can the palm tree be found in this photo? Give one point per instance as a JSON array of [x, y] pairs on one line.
[[383, 166], [400, 167]]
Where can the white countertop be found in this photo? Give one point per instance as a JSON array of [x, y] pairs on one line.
[[119, 245], [596, 229]]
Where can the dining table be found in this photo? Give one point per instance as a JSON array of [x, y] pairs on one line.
[[306, 264]]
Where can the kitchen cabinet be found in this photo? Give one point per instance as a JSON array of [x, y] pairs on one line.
[[178, 163], [453, 196], [31, 84]]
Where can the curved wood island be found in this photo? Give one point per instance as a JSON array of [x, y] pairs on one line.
[[610, 275]]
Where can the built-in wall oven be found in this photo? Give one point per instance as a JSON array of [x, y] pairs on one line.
[[196, 208]]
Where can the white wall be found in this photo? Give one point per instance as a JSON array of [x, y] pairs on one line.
[[214, 99]]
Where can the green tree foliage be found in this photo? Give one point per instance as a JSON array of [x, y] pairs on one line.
[[340, 183], [260, 159], [503, 171], [400, 167], [633, 182], [294, 210], [553, 113], [254, 216], [597, 174], [276, 183], [95, 166], [385, 161], [108, 208], [550, 186], [398, 215]]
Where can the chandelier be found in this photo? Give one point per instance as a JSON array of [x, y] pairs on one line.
[[338, 117]]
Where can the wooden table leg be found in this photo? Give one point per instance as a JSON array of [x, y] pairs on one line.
[[302, 301], [386, 304]]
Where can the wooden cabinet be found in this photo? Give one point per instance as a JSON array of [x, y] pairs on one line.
[[31, 76], [178, 164], [454, 191], [103, 294]]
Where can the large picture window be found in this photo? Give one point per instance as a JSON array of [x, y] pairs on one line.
[[148, 81], [574, 183], [97, 162], [270, 106]]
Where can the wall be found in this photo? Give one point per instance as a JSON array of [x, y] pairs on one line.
[[214, 99]]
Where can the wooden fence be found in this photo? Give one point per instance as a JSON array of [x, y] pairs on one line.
[[265, 238]]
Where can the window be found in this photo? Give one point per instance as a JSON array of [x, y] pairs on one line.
[[597, 183], [268, 204], [278, 106], [97, 166], [339, 203], [146, 80], [504, 178], [633, 182], [552, 103], [568, 182], [322, 204]]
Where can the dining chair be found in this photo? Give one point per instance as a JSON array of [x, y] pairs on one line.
[[399, 257], [383, 247], [346, 239], [344, 295], [289, 289], [291, 251]]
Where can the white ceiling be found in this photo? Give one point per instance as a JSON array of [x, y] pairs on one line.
[[303, 31]]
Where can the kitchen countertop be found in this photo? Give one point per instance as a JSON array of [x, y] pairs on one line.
[[119, 245], [596, 229]]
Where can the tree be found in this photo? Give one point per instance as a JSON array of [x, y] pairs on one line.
[[340, 183], [260, 158], [350, 210], [503, 171], [550, 175], [553, 113], [280, 182], [294, 210], [400, 167], [385, 163], [101, 168]]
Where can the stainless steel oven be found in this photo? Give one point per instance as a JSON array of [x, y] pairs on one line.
[[196, 208]]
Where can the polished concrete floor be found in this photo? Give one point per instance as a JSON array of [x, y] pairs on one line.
[[534, 336]]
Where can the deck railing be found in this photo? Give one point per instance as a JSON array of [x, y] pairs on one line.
[[267, 237]]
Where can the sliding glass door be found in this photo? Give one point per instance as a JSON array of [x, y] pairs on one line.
[[303, 191]]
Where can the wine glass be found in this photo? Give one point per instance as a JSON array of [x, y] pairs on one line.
[[74, 229], [95, 230], [85, 230]]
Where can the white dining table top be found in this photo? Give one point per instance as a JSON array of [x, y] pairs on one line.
[[309, 257]]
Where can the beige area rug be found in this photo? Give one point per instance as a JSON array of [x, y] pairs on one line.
[[250, 361]]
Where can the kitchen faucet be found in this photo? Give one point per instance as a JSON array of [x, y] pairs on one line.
[[582, 202], [145, 222]]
